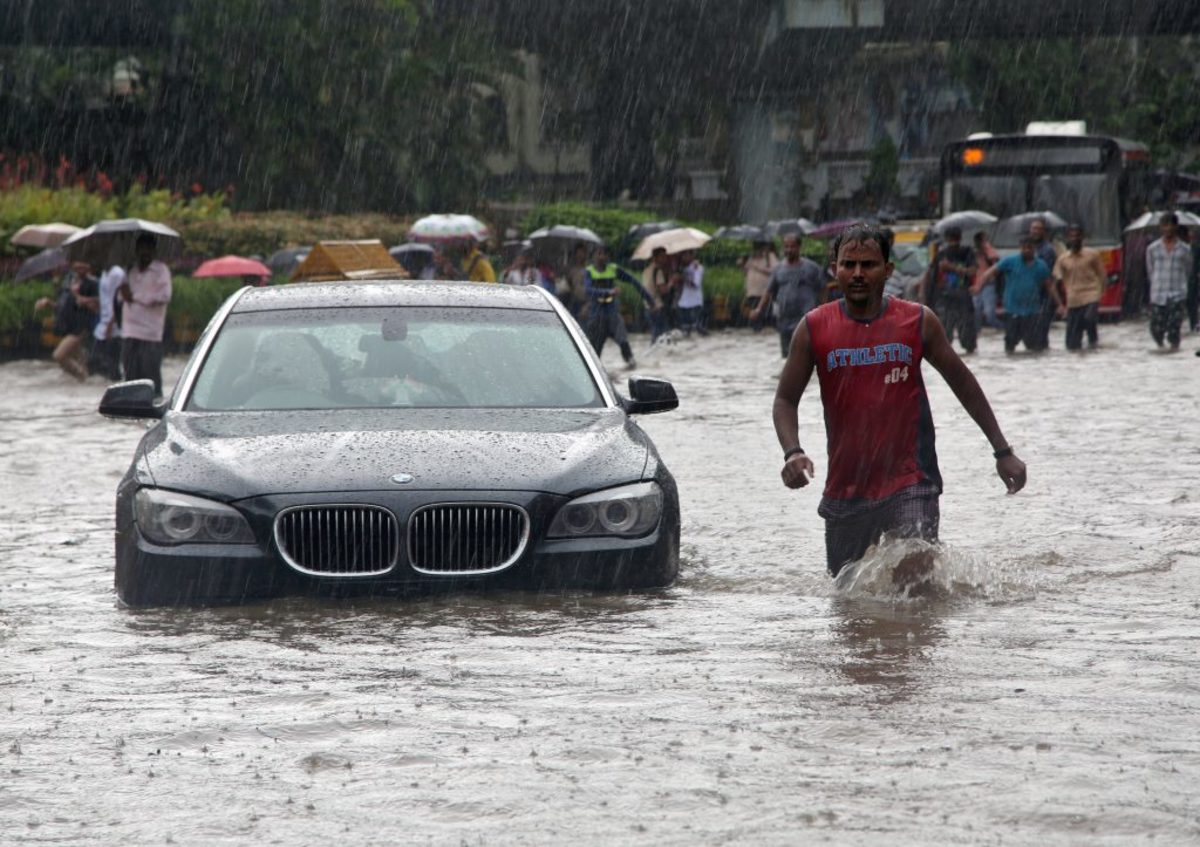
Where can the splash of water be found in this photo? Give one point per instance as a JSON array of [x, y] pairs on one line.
[[955, 574]]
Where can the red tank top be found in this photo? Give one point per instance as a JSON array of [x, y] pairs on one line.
[[877, 421]]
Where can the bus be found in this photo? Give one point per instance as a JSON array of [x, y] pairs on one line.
[[1097, 181]]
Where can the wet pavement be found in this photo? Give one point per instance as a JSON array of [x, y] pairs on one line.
[[1048, 695]]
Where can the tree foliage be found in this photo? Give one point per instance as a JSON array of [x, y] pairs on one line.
[[1142, 89]]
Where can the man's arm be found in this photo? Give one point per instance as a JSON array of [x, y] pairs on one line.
[[1051, 283], [797, 370], [768, 296], [962, 382]]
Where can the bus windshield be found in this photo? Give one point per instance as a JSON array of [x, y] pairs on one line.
[[1087, 199], [1091, 181]]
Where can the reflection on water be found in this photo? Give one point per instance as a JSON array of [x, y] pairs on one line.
[[306, 620], [887, 644]]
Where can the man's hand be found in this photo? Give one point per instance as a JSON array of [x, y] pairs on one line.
[[1012, 471], [798, 470], [126, 292]]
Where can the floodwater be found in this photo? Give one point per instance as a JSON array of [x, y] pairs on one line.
[[1047, 696]]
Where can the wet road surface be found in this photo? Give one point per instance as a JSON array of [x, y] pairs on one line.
[[1047, 696]]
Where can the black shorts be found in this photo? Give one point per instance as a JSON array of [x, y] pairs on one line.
[[851, 528]]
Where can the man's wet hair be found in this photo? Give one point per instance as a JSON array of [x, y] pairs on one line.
[[1169, 218], [861, 234]]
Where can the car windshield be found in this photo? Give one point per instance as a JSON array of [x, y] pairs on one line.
[[409, 357]]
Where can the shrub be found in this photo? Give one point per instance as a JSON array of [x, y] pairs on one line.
[[262, 233], [195, 301], [16, 306]]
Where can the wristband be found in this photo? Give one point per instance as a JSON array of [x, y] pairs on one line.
[[1003, 452], [787, 454]]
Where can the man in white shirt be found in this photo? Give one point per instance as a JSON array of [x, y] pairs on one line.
[[146, 294], [691, 294], [106, 346]]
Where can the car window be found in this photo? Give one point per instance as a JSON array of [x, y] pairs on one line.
[[418, 357]]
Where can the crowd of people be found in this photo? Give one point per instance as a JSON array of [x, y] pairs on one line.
[[111, 321]]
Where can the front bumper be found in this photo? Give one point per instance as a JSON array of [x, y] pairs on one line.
[[150, 574]]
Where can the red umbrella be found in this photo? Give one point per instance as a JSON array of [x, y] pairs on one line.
[[232, 266]]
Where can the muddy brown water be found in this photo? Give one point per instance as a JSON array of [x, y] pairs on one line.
[[1048, 696]]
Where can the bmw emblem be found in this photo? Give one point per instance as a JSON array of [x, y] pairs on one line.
[[402, 478]]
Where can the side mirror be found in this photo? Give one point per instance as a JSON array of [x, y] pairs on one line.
[[133, 399], [647, 396]]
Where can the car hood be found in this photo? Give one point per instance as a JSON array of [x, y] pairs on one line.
[[230, 456]]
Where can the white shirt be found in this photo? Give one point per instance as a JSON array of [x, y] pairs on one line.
[[692, 293], [110, 281]]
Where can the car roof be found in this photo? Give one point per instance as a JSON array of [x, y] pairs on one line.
[[332, 295]]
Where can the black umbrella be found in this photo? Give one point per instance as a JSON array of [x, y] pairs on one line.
[[113, 242], [49, 262], [639, 231], [1012, 229], [791, 226], [285, 261], [742, 232], [970, 221]]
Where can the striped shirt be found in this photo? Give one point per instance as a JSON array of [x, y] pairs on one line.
[[1169, 270]]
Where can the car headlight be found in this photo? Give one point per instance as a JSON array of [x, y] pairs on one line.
[[628, 511], [168, 517]]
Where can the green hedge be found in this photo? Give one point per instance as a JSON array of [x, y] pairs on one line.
[[262, 233], [16, 305], [195, 301], [30, 204]]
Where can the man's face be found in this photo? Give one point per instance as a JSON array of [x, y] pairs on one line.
[[1167, 229], [601, 257], [145, 253], [1037, 231], [1074, 238], [791, 248], [861, 272], [660, 259], [1027, 251]]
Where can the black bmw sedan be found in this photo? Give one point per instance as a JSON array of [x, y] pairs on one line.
[[376, 436]]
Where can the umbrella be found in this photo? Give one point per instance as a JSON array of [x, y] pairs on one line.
[[639, 231], [443, 229], [285, 261], [571, 235], [794, 226], [232, 266], [674, 240], [43, 235], [1149, 220], [742, 232], [970, 221], [1015, 227], [832, 229], [112, 242], [50, 261], [412, 256]]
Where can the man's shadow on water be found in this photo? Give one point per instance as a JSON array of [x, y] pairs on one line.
[[888, 646]]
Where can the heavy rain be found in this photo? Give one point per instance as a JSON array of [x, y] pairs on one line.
[[1034, 174]]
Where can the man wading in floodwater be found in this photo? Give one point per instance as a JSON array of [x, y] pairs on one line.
[[867, 349]]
